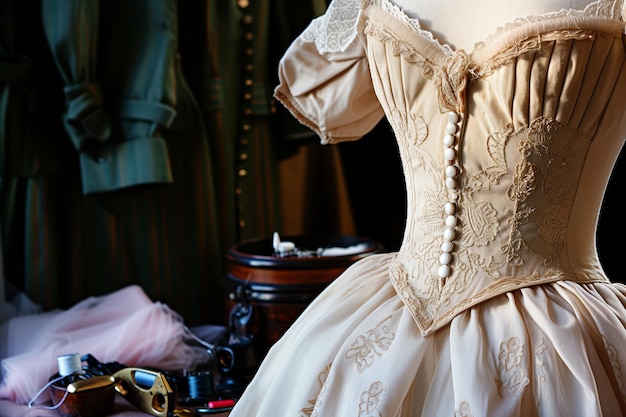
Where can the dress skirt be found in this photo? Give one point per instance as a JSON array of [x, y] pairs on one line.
[[549, 350]]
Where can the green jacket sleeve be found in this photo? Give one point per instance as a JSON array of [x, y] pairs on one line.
[[115, 120]]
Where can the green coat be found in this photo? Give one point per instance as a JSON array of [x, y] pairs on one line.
[[139, 141], [231, 62], [129, 197]]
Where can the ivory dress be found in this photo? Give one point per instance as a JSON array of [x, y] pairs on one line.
[[496, 303]]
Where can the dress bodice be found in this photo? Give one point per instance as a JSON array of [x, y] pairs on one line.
[[506, 149]]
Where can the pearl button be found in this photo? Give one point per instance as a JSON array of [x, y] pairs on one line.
[[445, 258], [451, 221], [449, 234], [443, 271], [447, 246], [452, 171], [449, 154], [452, 117]]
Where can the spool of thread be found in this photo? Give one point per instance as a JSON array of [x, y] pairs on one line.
[[69, 364], [144, 380], [200, 385]]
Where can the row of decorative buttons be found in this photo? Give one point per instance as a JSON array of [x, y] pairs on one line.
[[452, 172], [244, 141]]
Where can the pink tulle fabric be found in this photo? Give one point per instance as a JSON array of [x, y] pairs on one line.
[[123, 326]]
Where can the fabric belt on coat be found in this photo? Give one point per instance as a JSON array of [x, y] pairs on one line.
[[135, 161]]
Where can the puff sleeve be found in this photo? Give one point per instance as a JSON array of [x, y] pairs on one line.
[[324, 77]]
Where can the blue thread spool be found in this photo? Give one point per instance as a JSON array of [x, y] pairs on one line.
[[144, 380], [200, 386]]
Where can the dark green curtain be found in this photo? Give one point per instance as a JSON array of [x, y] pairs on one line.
[[30, 147]]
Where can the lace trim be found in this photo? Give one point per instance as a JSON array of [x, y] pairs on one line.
[[449, 68], [448, 73], [607, 9], [412, 23], [337, 28]]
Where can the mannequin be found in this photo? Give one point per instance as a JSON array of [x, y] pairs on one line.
[[461, 24], [495, 304]]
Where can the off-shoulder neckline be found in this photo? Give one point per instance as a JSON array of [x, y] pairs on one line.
[[599, 16], [599, 9]]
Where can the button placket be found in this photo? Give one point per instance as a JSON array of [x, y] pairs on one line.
[[451, 175], [247, 55]]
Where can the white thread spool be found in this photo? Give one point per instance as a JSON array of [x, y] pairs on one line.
[[69, 364]]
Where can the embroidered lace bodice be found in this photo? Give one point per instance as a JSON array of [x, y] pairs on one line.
[[506, 149]]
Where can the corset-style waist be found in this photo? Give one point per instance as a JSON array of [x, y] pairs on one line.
[[486, 217], [433, 302]]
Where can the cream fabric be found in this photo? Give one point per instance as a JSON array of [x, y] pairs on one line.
[[526, 323]]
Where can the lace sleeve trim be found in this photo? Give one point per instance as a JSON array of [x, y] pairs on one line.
[[335, 30]]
